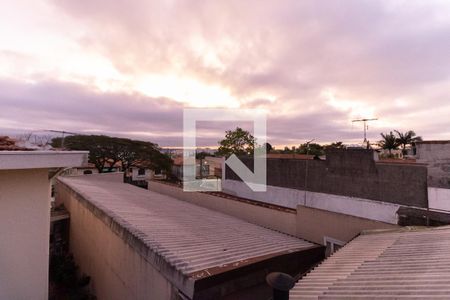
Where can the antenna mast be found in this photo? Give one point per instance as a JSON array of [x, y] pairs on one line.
[[63, 135], [365, 126]]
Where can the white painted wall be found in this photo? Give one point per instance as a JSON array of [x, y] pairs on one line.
[[439, 198], [358, 207], [24, 233], [149, 174]]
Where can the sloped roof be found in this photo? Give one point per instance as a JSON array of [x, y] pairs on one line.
[[184, 240], [9, 144], [402, 264], [289, 156]]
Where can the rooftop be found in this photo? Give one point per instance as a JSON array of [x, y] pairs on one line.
[[405, 263], [186, 242], [434, 142], [9, 144], [11, 160]]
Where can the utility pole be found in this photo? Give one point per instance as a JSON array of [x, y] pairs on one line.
[[306, 169], [366, 127], [63, 134]]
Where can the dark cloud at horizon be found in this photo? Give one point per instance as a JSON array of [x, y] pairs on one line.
[[75, 108]]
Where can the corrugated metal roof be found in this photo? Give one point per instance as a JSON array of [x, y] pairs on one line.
[[196, 241], [410, 263]]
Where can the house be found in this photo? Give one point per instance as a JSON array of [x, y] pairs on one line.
[[178, 165], [436, 154], [139, 244], [82, 170], [25, 178], [140, 173], [9, 144], [214, 166], [407, 263]]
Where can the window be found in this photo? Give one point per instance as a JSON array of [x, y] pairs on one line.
[[332, 245], [141, 171]]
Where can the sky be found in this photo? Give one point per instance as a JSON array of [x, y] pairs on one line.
[[129, 68]]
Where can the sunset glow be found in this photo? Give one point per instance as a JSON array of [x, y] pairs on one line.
[[314, 65]]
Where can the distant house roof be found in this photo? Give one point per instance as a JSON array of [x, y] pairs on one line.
[[406, 263], [9, 144], [434, 142], [185, 241], [289, 156], [397, 161], [179, 160], [146, 164]]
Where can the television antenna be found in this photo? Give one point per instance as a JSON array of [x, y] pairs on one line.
[[366, 126], [63, 135]]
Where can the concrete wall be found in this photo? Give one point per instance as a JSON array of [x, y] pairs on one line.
[[117, 270], [79, 171], [359, 207], [439, 198], [315, 224], [437, 156], [149, 174], [306, 222], [280, 220], [351, 173], [24, 233]]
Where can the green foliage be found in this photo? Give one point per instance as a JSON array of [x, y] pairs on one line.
[[201, 155], [311, 149], [335, 145], [106, 151], [268, 147], [389, 142], [63, 273], [239, 142], [407, 138]]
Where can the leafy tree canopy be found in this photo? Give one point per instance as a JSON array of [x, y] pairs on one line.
[[335, 145], [407, 138], [311, 148], [239, 142], [268, 147], [106, 151], [201, 155], [389, 141]]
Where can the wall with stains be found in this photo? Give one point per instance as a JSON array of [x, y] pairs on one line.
[[117, 270], [350, 173]]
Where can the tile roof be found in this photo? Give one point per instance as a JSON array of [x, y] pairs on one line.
[[195, 242], [9, 144], [403, 264]]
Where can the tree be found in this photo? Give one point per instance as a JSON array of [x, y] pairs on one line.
[[407, 138], [389, 142], [99, 147], [310, 148], [201, 155], [335, 145], [239, 142], [268, 147], [105, 151]]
